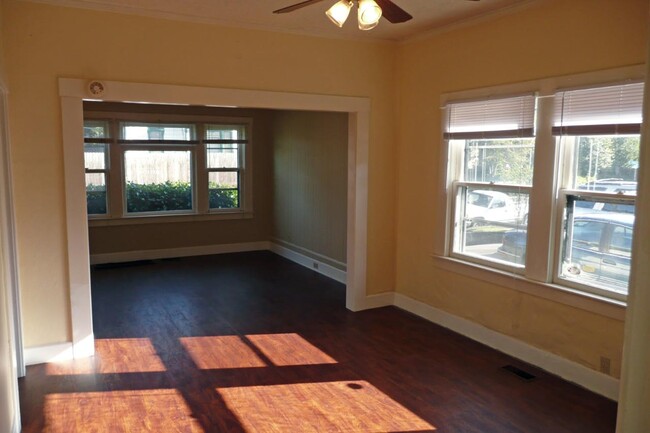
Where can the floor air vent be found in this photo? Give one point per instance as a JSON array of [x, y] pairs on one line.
[[521, 374]]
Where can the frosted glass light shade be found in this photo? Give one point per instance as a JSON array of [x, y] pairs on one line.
[[369, 14], [339, 12]]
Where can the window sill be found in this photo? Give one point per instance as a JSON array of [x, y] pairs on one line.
[[565, 295], [162, 219]]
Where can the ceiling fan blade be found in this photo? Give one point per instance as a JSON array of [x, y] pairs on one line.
[[392, 12], [296, 6]]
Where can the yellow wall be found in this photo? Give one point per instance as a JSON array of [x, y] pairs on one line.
[[46, 42], [549, 38], [310, 182], [122, 238]]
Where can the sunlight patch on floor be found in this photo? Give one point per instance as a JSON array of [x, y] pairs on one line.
[[289, 349], [250, 351], [158, 410], [350, 406], [228, 351], [120, 355]]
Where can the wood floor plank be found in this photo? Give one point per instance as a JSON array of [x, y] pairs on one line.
[[254, 343]]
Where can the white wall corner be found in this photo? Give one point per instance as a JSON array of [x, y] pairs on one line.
[[377, 301], [595, 381], [48, 353]]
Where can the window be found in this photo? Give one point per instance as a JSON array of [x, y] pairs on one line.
[[157, 160], [163, 167], [96, 146], [492, 144], [224, 164], [598, 133], [573, 225]]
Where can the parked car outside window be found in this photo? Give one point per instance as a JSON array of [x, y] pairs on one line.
[[491, 206], [597, 249]]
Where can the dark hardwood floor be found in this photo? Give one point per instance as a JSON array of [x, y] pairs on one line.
[[254, 343]]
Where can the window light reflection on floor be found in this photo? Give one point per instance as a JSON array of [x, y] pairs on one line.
[[158, 410], [226, 351], [355, 406], [289, 349], [250, 351], [120, 355]]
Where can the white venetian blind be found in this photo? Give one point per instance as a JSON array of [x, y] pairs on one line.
[[492, 118], [608, 110]]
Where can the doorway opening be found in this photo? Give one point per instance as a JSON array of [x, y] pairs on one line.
[[73, 92]]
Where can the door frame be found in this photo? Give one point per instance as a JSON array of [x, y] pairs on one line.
[[9, 256], [74, 91]]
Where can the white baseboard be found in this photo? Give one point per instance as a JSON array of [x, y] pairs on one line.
[[204, 250], [595, 381], [311, 263], [48, 353]]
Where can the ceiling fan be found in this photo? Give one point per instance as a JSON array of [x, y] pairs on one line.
[[370, 11]]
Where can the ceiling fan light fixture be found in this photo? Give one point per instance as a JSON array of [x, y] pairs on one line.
[[369, 14], [339, 12]]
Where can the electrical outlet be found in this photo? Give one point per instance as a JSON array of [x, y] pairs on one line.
[[605, 365]]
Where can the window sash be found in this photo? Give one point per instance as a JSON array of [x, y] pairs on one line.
[[458, 229], [566, 196], [191, 180], [190, 128], [238, 188]]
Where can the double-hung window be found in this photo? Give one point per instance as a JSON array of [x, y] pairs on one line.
[[138, 168], [492, 148], [96, 163], [598, 133], [581, 145], [224, 150]]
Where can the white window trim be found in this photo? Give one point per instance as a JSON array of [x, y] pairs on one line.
[[200, 211], [72, 93], [537, 278]]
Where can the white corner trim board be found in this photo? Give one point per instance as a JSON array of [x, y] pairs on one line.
[[48, 353], [311, 263], [595, 381], [379, 300], [170, 253]]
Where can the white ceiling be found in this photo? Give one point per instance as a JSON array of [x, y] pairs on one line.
[[428, 15]]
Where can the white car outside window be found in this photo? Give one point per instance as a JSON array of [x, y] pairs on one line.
[[490, 206]]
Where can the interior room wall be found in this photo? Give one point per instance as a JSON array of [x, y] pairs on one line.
[[542, 39], [310, 183], [143, 237], [44, 42]]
